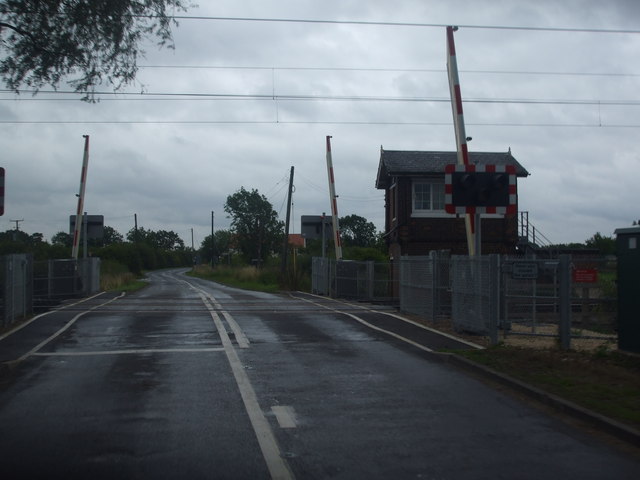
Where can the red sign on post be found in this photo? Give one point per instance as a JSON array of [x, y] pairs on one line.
[[585, 275]]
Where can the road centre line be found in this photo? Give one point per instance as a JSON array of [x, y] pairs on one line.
[[63, 329], [277, 465], [135, 351], [241, 338]]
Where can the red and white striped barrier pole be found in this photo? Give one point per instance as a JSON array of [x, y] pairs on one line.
[[83, 182], [334, 204], [458, 124]]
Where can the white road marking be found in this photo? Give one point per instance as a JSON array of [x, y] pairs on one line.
[[285, 415], [277, 465], [63, 329], [399, 317], [241, 338], [136, 351], [21, 326], [364, 322]]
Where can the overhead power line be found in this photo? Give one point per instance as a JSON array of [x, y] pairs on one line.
[[391, 70], [308, 122], [349, 98], [406, 24]]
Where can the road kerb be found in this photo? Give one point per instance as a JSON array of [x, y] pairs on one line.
[[606, 424]]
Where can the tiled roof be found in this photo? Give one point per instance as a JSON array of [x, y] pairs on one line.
[[403, 162], [296, 240]]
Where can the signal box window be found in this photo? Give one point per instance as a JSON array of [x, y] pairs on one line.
[[428, 197]]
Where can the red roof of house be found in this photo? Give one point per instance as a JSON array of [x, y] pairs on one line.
[[296, 240]]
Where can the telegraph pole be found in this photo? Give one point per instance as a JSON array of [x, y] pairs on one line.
[[15, 234], [334, 204], [17, 222], [285, 248], [213, 245], [83, 182]]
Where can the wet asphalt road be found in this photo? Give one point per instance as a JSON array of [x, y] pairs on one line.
[[189, 379]]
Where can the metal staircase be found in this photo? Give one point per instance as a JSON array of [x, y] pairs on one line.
[[530, 239]]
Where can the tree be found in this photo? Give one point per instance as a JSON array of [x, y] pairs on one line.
[[90, 42], [62, 239], [255, 224], [111, 236], [606, 245], [220, 245], [167, 240], [162, 239], [356, 231]]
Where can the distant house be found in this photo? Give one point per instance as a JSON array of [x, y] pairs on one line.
[[311, 226], [297, 240], [415, 220]]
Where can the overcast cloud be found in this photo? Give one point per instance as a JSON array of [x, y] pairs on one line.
[[172, 159]]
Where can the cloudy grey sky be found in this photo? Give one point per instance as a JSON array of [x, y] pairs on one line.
[[565, 101]]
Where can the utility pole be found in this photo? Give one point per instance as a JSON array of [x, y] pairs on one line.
[[83, 182], [333, 198], [15, 234], [285, 248], [213, 244], [135, 227], [17, 222]]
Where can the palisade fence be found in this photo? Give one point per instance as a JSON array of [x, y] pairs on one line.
[[26, 285], [519, 300]]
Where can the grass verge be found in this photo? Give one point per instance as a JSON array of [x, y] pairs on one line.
[[122, 282], [248, 278], [606, 382]]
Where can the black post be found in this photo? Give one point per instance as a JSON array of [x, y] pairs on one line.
[[285, 248]]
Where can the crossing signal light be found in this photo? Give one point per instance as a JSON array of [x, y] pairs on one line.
[[480, 189]]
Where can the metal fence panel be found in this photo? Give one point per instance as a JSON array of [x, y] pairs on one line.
[[320, 276], [594, 296], [521, 296], [425, 286], [56, 280], [16, 287], [416, 285], [359, 280], [471, 291], [532, 302]]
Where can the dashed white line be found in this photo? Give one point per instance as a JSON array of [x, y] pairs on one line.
[[285, 415], [276, 464]]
